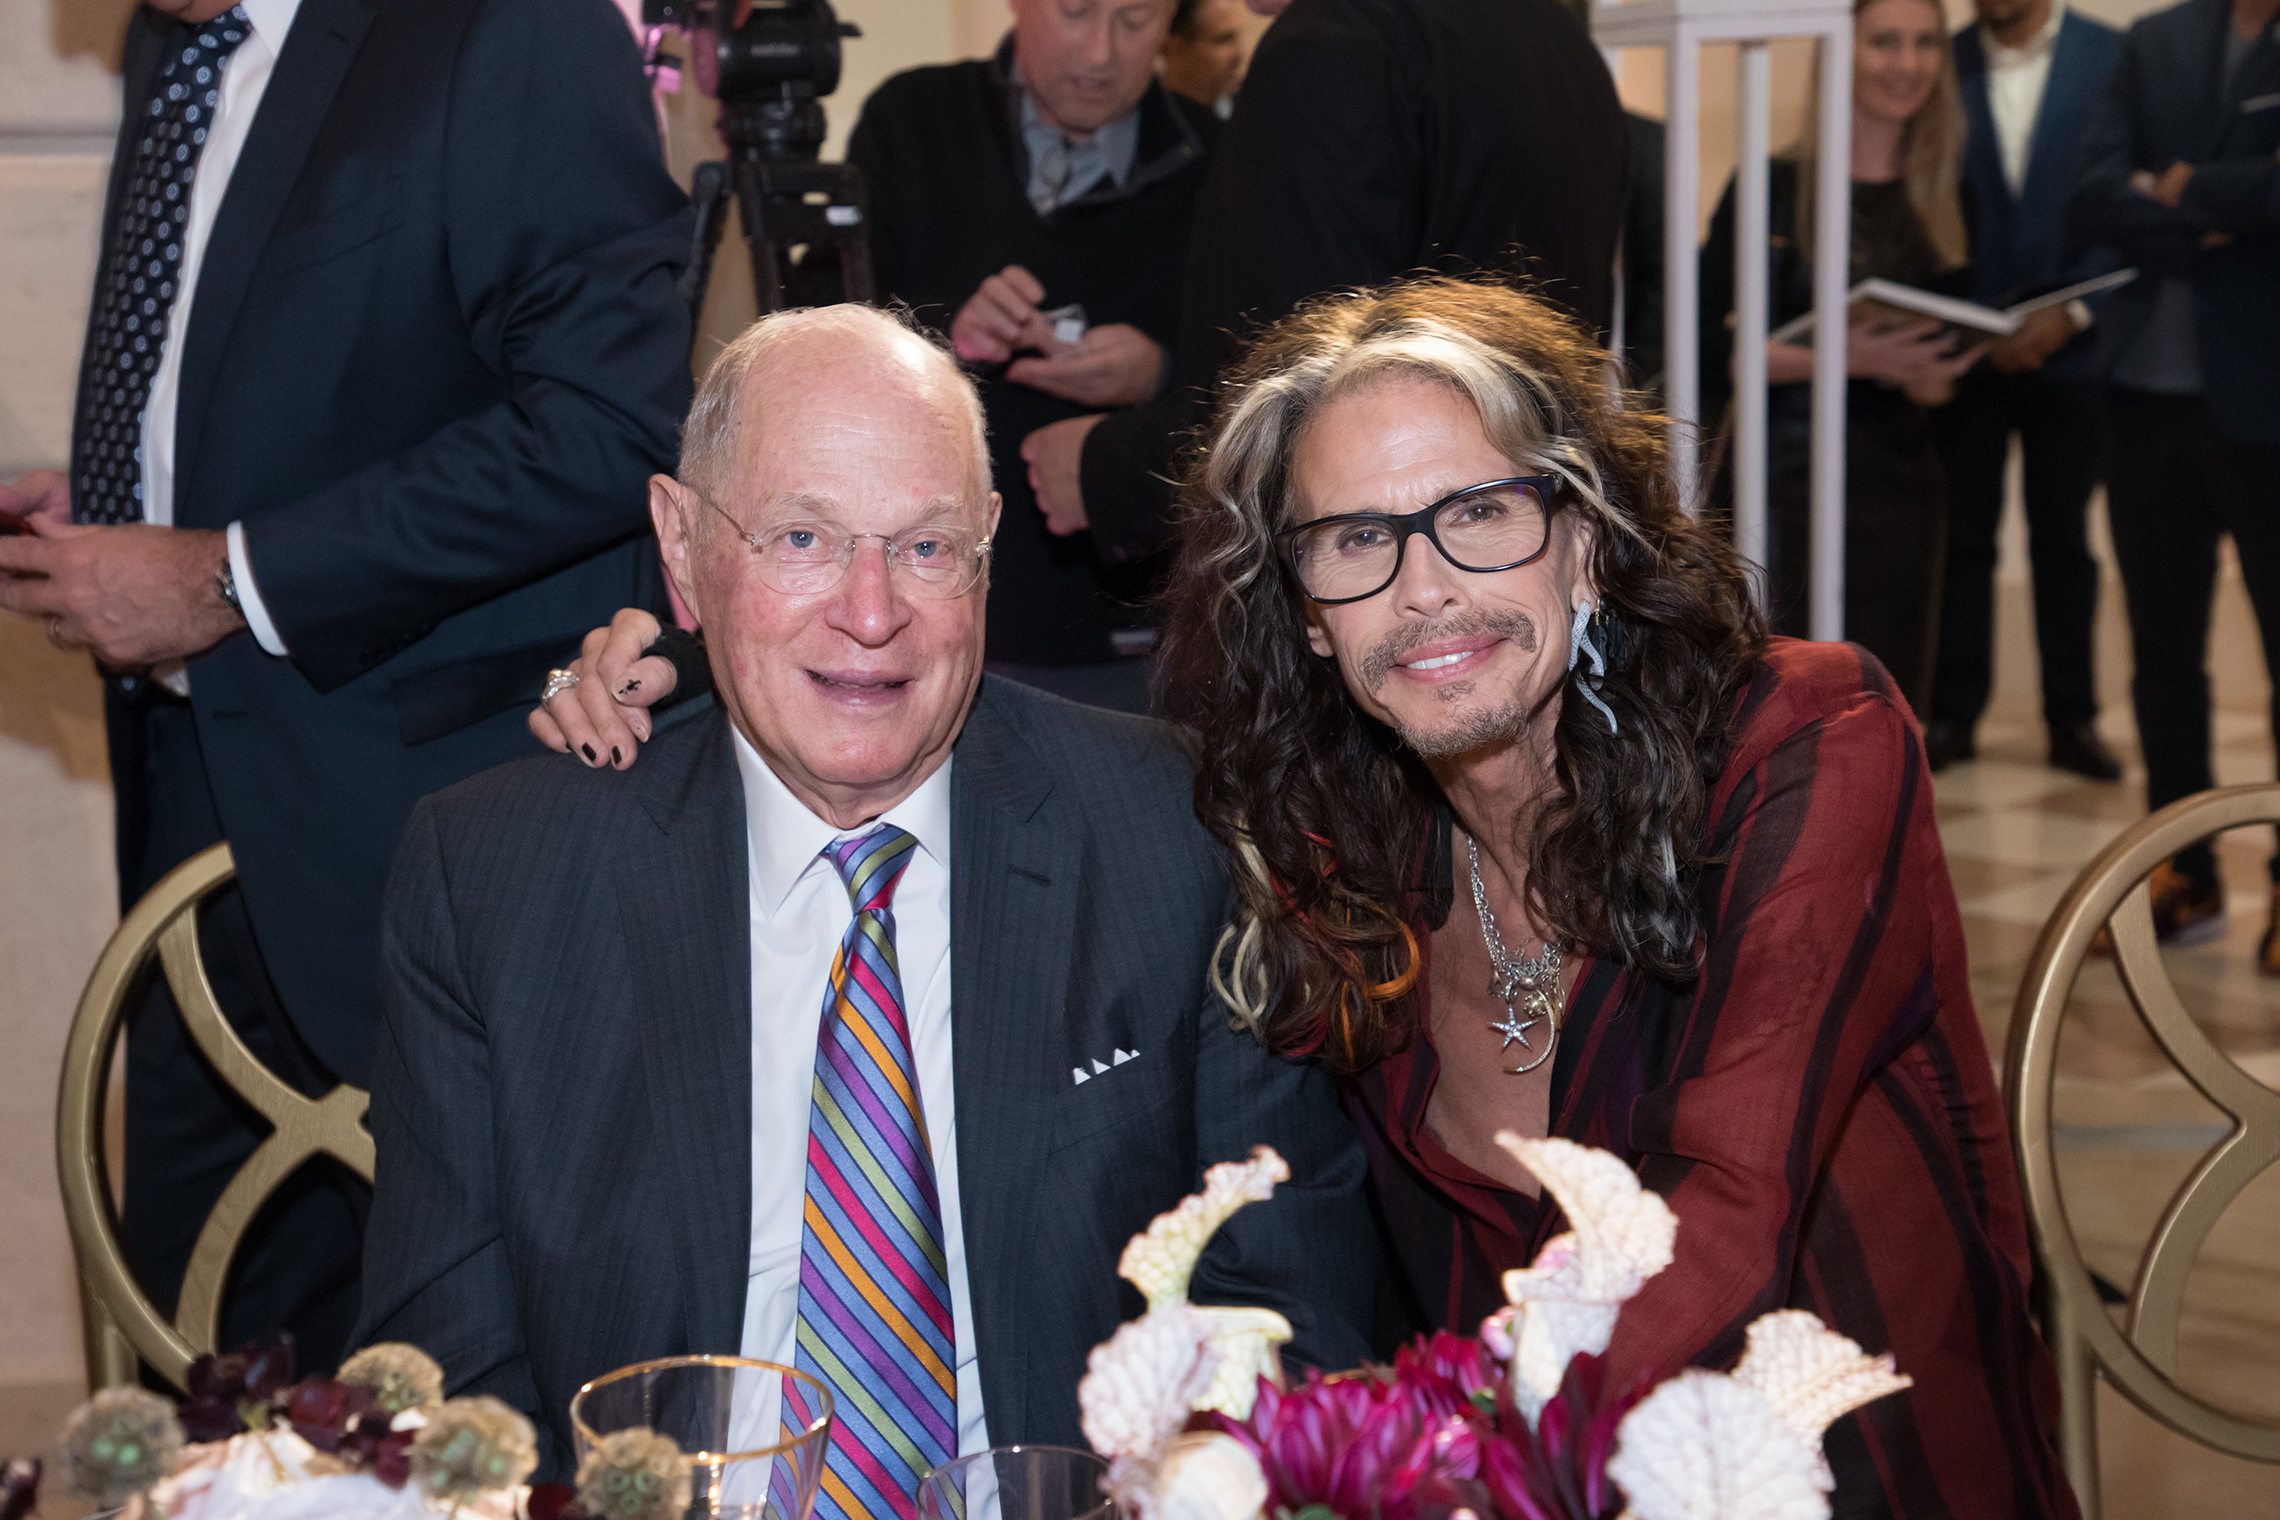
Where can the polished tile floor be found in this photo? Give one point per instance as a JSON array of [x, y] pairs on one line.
[[2131, 1127]]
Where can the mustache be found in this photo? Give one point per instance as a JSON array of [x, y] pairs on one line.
[[1515, 626]]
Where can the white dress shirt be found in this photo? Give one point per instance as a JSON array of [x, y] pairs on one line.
[[244, 82], [2016, 78], [799, 911]]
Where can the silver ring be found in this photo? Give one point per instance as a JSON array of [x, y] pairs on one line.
[[558, 682]]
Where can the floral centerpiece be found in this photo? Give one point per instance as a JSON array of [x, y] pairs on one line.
[[377, 1442], [1518, 1423]]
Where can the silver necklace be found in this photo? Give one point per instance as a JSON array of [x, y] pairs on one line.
[[1520, 983]]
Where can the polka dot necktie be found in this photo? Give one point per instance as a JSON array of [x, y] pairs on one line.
[[142, 274]]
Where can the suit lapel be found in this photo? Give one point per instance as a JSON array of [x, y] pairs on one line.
[[683, 902], [2213, 98], [1013, 895], [2259, 74], [1982, 148], [316, 55], [2050, 147]]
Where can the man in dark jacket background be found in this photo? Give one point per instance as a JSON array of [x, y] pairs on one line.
[[1372, 137], [2180, 173], [1037, 206], [385, 341], [2031, 72]]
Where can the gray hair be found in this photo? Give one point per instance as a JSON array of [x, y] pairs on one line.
[[709, 436]]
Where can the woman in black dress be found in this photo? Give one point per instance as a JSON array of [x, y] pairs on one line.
[[1907, 226]]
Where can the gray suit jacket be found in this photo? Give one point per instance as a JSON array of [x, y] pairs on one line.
[[563, 1095]]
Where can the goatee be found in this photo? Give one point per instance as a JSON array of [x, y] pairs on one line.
[[1468, 728]]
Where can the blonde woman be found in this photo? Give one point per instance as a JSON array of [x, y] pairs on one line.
[[1907, 225]]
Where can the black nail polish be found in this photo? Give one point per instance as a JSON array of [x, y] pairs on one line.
[[615, 757], [589, 749]]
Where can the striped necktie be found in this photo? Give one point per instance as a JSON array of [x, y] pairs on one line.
[[874, 1284]]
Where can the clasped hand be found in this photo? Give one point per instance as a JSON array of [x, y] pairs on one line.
[[1112, 365], [135, 594], [1918, 357]]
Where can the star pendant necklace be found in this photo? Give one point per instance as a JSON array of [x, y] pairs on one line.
[[1524, 985]]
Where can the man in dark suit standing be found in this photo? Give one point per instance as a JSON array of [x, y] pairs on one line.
[[2180, 173], [2031, 72], [861, 1025], [1372, 137], [384, 342]]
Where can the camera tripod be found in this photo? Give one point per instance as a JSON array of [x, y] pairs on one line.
[[803, 219]]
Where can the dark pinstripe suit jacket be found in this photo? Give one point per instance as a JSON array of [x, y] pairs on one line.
[[563, 1095]]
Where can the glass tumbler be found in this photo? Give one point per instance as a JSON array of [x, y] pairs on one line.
[[1018, 1483], [752, 1433]]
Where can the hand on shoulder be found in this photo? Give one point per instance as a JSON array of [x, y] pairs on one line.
[[601, 714]]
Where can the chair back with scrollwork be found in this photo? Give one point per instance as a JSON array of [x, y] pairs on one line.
[[2138, 1352], [120, 1322]]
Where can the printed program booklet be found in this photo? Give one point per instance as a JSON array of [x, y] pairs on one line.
[[1888, 300]]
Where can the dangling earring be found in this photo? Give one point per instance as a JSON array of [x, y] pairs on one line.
[[1580, 643]]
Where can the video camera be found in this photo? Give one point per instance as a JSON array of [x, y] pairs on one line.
[[770, 63]]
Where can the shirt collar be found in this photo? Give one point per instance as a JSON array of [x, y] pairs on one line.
[[1117, 142], [786, 837], [2000, 57], [271, 19]]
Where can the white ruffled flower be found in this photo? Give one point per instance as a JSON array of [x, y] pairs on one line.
[[220, 1480], [1160, 1261], [1142, 1383], [1248, 1343], [1565, 1303], [1207, 1475], [1747, 1446], [275, 1475], [1811, 1375], [1705, 1447]]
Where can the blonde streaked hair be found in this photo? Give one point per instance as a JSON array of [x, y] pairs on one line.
[[1931, 155]]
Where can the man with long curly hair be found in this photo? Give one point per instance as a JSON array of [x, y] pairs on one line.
[[1533, 827]]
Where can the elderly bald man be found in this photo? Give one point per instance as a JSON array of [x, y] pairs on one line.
[[860, 1025]]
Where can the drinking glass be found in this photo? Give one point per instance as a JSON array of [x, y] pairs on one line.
[[1018, 1483], [752, 1433]]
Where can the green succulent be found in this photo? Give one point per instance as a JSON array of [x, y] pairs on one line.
[[119, 1443], [401, 1377], [633, 1474], [470, 1446]]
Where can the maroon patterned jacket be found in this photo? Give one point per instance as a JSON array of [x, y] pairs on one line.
[[1818, 1108]]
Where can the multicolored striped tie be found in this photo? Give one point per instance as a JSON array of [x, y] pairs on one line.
[[874, 1284]]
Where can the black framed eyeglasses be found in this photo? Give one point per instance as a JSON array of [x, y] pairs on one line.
[[1496, 525]]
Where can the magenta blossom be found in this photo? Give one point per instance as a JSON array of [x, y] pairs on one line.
[[1558, 1471], [1451, 1372], [1361, 1444]]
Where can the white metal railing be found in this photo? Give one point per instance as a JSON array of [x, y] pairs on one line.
[[1679, 28]]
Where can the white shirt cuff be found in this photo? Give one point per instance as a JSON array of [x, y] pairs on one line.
[[249, 595]]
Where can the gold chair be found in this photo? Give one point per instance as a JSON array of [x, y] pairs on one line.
[[119, 1320], [2138, 1355]]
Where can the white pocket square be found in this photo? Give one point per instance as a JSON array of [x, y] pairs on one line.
[[1099, 1066]]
